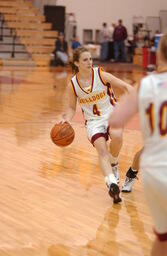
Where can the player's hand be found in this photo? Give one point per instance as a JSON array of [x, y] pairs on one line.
[[62, 119]]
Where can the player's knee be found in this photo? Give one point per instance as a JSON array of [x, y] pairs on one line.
[[103, 152], [117, 136]]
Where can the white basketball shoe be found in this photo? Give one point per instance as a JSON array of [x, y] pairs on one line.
[[130, 178]]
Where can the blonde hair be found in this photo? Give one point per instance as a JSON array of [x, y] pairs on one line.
[[76, 55]]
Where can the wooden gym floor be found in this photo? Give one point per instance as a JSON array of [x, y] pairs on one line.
[[53, 201]]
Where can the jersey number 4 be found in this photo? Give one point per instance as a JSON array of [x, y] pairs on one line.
[[96, 111], [162, 118]]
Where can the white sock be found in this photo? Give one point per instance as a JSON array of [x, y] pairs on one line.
[[110, 179], [134, 170]]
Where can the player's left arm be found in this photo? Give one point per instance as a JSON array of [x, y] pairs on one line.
[[126, 108], [109, 78]]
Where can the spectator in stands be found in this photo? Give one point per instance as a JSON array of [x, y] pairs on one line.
[[61, 51], [104, 38], [156, 39], [131, 48], [141, 35], [75, 43], [111, 42], [119, 36]]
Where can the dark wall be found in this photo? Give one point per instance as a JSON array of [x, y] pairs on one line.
[[56, 16]]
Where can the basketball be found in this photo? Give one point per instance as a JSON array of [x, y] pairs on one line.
[[62, 134]]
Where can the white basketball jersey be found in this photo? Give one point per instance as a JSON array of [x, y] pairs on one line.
[[153, 116], [96, 102]]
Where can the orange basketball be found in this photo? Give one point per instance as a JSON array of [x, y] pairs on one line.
[[62, 134]]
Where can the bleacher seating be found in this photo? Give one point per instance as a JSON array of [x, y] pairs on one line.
[[31, 29]]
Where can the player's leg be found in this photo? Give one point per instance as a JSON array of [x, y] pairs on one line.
[[114, 149], [97, 134], [131, 174], [104, 159], [155, 189], [159, 248]]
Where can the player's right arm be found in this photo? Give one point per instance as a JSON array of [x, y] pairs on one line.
[[70, 107]]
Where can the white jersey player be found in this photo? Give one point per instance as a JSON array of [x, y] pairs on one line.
[[151, 101], [96, 104], [92, 88]]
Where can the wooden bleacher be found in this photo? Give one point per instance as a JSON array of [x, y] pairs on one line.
[[30, 18], [31, 29]]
